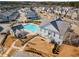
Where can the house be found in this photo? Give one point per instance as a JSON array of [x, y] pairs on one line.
[[54, 29], [9, 15], [30, 14]]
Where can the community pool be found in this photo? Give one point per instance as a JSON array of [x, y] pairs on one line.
[[31, 27]]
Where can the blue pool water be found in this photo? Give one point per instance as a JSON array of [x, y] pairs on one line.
[[31, 27]]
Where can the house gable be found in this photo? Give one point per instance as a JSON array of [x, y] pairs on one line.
[[54, 24]]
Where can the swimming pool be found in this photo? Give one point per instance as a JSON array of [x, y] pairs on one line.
[[31, 27]]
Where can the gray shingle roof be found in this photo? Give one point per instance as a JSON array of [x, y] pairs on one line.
[[60, 25], [54, 23], [9, 15], [1, 28], [63, 26], [31, 14]]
